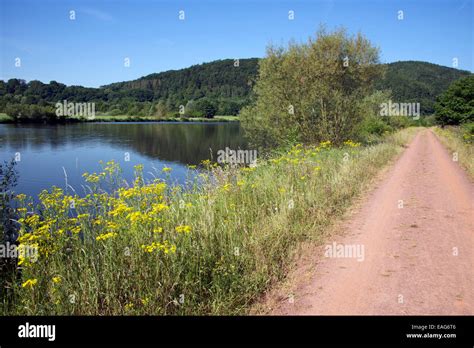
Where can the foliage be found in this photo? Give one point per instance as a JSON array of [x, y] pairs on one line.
[[218, 79], [8, 180], [418, 82], [8, 230], [229, 87], [219, 83], [307, 93], [456, 104], [372, 128], [460, 140], [468, 132], [205, 108], [31, 113]]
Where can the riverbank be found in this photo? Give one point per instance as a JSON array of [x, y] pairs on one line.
[[4, 118], [125, 118], [213, 249]]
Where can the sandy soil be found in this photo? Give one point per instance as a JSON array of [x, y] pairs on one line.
[[416, 229]]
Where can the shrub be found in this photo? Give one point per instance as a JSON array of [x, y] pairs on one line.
[[456, 104], [371, 129], [312, 91], [31, 113]]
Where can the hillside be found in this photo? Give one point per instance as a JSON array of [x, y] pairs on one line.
[[218, 86], [217, 79], [409, 81], [419, 82]]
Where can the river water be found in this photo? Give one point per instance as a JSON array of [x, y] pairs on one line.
[[48, 154]]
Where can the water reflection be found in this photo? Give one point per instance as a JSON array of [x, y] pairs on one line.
[[45, 150], [187, 143]]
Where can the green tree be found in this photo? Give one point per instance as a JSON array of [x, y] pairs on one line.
[[312, 91], [190, 110], [31, 113], [206, 108], [456, 104]]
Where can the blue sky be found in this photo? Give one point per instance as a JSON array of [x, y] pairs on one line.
[[91, 49]]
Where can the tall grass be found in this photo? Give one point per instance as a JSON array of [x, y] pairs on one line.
[[212, 248], [460, 140]]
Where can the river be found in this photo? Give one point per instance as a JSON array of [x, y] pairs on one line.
[[48, 154]]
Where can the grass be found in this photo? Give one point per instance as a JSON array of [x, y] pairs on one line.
[[210, 249], [459, 140]]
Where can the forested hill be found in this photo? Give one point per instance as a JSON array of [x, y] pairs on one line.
[[418, 82], [409, 81], [217, 87], [218, 79]]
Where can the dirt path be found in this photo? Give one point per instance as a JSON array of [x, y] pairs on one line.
[[418, 259]]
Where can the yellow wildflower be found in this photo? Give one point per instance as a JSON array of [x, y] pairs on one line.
[[76, 229], [183, 229], [105, 236], [21, 196], [165, 247], [32, 220], [29, 283], [159, 207], [206, 162]]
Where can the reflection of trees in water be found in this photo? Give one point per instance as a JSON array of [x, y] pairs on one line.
[[185, 142]]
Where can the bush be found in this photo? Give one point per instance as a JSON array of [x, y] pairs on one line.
[[229, 107], [115, 112], [31, 113], [424, 121], [206, 108], [8, 229], [467, 131], [371, 129], [200, 108], [308, 92], [456, 104]]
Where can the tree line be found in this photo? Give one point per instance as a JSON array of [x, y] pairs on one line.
[[222, 87]]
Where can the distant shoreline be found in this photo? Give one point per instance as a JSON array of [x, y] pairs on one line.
[[5, 119]]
